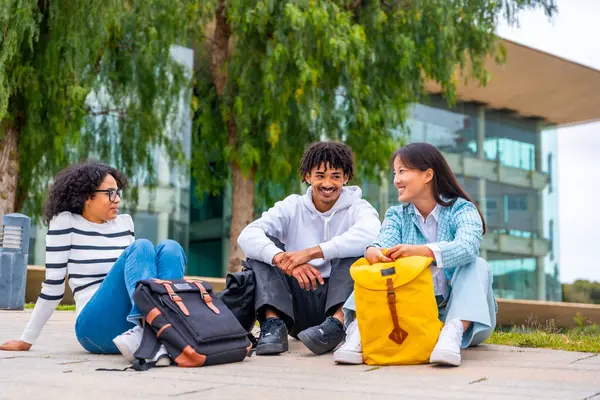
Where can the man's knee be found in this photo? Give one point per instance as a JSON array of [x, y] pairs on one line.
[[344, 263], [256, 265]]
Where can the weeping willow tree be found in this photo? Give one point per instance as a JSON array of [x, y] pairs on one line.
[[86, 77], [280, 74]]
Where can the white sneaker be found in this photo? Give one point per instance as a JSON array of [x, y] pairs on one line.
[[351, 351], [161, 358], [128, 343], [447, 348]]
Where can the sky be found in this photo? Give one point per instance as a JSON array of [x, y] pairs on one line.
[[572, 34]]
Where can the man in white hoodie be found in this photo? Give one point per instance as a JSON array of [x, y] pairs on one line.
[[303, 280]]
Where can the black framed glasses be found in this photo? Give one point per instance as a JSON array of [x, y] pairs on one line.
[[112, 193]]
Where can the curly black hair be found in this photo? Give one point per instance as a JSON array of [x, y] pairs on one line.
[[332, 154], [74, 184]]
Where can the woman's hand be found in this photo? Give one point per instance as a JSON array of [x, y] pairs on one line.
[[15, 345], [408, 250], [375, 255]]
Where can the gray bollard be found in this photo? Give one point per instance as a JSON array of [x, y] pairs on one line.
[[14, 248]]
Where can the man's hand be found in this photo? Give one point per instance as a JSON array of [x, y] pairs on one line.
[[408, 250], [306, 275], [15, 345], [277, 259], [289, 260]]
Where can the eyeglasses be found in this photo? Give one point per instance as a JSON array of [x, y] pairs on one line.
[[112, 193]]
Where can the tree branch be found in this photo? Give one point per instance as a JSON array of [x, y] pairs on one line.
[[98, 59], [118, 111], [355, 5], [389, 4], [121, 46]]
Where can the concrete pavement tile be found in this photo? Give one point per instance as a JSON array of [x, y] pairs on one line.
[[58, 368]]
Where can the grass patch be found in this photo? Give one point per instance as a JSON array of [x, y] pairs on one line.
[[584, 338], [571, 341], [61, 307]]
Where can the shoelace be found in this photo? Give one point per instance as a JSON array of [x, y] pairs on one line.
[[454, 334], [269, 325], [329, 327], [134, 332]]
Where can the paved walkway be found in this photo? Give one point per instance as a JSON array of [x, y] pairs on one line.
[[58, 368]]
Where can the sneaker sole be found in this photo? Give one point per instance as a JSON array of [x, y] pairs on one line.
[[348, 357], [442, 357], [163, 361], [315, 347], [124, 350], [269, 349]]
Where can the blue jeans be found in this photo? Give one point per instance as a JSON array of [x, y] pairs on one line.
[[471, 299], [111, 310]]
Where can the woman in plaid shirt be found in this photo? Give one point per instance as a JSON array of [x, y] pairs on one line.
[[436, 219]]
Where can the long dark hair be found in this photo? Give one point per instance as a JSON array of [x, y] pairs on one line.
[[423, 156], [74, 184]]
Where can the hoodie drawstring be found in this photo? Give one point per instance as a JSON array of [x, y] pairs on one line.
[[326, 230]]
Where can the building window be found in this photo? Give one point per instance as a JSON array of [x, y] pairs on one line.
[[516, 202], [550, 173], [551, 238], [511, 153]]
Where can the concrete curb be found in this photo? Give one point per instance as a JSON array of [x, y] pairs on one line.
[[510, 312]]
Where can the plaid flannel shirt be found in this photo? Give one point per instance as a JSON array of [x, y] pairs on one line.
[[459, 232]]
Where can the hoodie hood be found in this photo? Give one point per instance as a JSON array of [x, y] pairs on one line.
[[350, 194]]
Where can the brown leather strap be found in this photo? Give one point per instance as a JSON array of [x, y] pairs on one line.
[[175, 297], [161, 330], [397, 335], [205, 296], [152, 314], [160, 281]]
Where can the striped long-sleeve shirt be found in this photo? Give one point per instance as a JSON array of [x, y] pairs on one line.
[[84, 252]]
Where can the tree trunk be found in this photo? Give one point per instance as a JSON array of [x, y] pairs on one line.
[[242, 213], [242, 210], [9, 167], [220, 48]]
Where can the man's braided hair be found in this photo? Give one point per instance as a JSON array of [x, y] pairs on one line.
[[331, 154]]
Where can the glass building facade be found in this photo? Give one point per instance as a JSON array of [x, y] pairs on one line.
[[506, 164]]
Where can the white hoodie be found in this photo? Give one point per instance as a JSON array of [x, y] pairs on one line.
[[344, 231]]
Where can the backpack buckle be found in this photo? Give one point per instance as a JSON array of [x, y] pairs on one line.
[[205, 296], [177, 299]]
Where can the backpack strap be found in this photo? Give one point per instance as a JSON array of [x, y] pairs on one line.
[[398, 335], [205, 296], [175, 297]]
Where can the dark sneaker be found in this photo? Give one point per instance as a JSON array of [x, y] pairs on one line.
[[323, 338], [273, 337]]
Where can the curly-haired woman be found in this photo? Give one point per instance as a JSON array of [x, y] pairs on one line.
[[94, 246]]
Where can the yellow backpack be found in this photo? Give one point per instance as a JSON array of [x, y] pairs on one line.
[[396, 310]]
